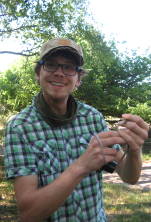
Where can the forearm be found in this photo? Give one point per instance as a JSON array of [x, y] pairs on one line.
[[43, 202], [129, 168], [134, 133]]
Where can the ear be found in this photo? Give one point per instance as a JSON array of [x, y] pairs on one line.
[[37, 77], [78, 83]]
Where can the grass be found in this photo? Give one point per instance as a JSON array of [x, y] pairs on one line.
[[146, 156], [125, 204], [8, 209]]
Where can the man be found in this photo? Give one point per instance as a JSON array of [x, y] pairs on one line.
[[56, 147]]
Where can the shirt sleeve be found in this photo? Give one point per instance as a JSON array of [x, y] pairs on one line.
[[19, 158]]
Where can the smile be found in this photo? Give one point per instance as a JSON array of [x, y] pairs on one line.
[[57, 84]]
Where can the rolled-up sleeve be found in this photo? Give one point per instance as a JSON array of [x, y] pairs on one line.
[[19, 158]]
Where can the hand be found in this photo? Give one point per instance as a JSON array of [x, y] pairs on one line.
[[135, 131], [96, 156]]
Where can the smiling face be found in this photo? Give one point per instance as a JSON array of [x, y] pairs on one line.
[[56, 85]]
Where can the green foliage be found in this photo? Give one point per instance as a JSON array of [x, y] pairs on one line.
[[125, 83], [36, 21], [143, 110], [98, 55], [18, 86], [114, 83]]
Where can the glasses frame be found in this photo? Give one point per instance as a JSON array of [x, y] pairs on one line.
[[78, 69]]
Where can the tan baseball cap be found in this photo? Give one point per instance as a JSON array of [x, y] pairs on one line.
[[54, 45]]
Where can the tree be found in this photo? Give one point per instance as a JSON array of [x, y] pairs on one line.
[[114, 83], [126, 83], [98, 55], [36, 21], [18, 86]]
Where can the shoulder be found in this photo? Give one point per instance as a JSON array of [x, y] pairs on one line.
[[27, 115], [90, 115], [85, 109]]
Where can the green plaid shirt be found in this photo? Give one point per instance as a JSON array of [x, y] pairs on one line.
[[32, 147]]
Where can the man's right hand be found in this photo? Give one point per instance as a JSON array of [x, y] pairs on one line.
[[95, 157]]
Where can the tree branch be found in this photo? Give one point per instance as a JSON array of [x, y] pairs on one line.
[[18, 53], [2, 15], [21, 27]]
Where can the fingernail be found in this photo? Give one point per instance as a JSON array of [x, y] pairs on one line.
[[122, 122]]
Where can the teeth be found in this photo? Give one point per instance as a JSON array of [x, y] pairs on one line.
[[57, 84]]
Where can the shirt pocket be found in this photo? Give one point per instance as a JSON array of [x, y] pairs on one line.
[[47, 161], [84, 142]]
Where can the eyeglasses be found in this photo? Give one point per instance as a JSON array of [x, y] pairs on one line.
[[68, 69]]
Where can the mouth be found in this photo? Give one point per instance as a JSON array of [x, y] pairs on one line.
[[57, 84]]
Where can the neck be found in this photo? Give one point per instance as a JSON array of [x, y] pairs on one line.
[[57, 106]]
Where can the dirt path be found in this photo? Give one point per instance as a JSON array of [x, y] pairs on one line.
[[144, 182]]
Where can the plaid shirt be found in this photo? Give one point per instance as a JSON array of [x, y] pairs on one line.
[[32, 147]]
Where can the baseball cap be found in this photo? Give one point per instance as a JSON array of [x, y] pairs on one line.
[[54, 45]]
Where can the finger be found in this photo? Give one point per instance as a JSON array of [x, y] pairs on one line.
[[99, 141], [100, 146], [137, 119], [110, 138], [134, 127], [106, 158], [109, 142], [107, 139], [107, 134], [110, 154], [132, 139], [109, 158], [109, 151]]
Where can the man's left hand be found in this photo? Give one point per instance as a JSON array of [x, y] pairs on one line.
[[135, 131]]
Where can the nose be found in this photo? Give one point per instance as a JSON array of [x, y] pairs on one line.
[[59, 71]]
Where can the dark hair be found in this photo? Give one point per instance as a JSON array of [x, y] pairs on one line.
[[64, 53]]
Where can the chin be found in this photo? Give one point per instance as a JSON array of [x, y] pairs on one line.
[[55, 96]]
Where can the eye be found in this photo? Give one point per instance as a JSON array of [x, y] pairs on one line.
[[50, 65], [69, 67], [66, 66]]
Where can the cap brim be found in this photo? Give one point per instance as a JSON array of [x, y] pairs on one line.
[[78, 57]]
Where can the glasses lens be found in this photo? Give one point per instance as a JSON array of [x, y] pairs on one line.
[[50, 67], [68, 69]]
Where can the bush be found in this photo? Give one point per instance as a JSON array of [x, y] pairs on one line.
[[143, 110]]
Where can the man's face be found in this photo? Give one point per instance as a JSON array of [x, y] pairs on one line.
[[55, 84]]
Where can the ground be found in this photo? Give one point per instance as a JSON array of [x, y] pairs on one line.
[[144, 182]]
